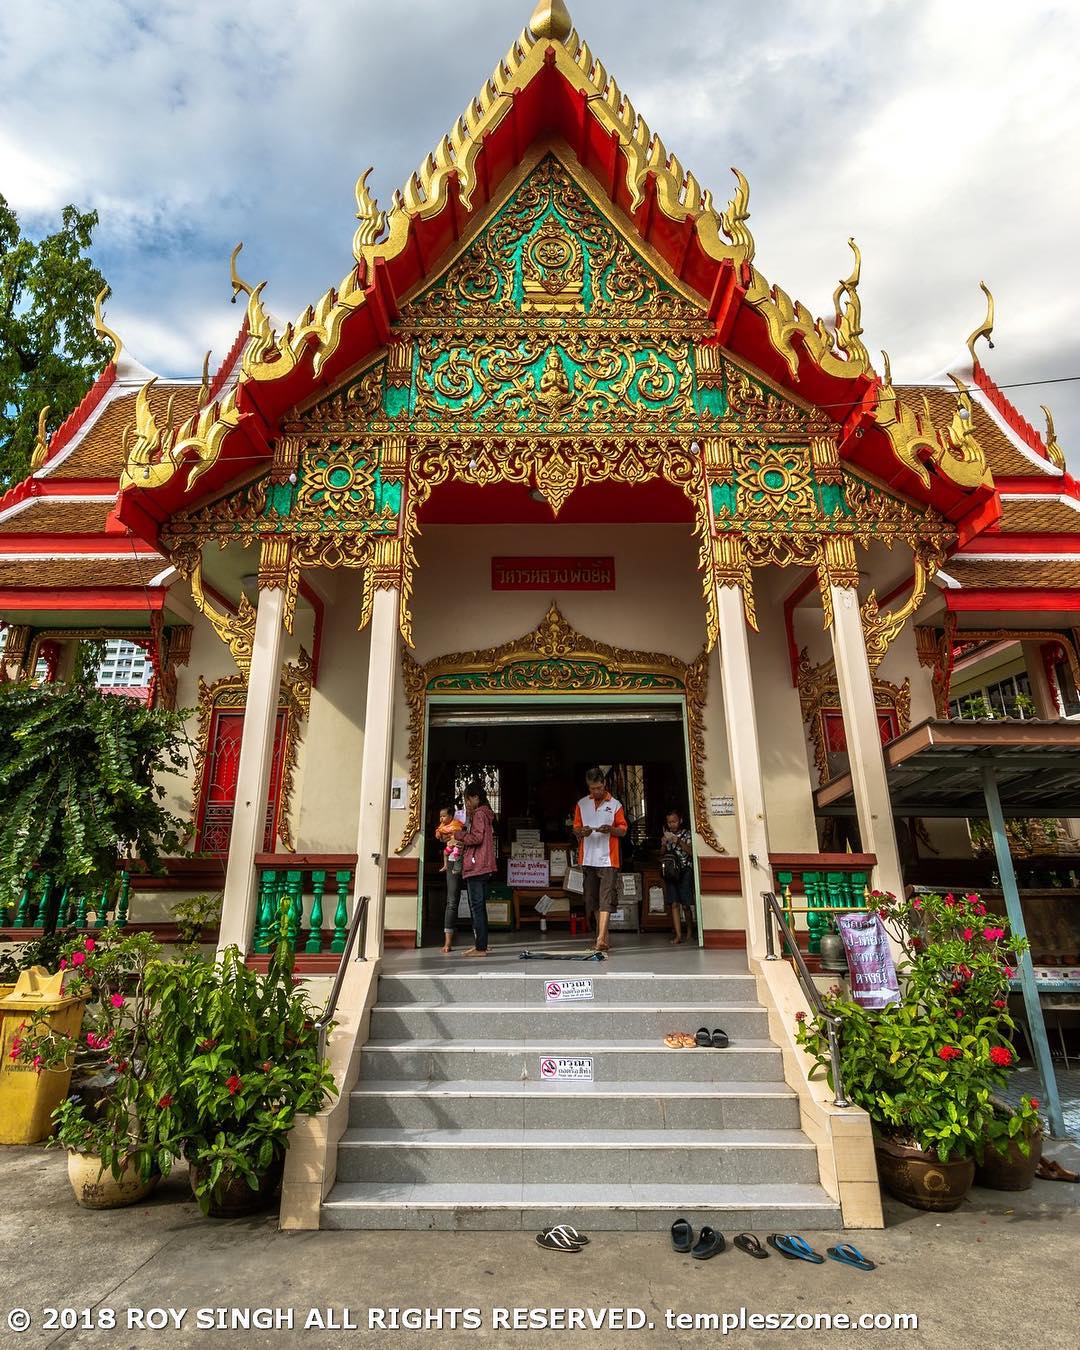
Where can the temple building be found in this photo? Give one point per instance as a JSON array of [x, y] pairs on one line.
[[556, 476]]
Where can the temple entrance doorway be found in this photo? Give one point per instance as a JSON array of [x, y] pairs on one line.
[[532, 758]]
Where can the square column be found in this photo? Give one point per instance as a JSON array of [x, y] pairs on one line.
[[744, 755], [866, 758], [373, 835], [253, 773]]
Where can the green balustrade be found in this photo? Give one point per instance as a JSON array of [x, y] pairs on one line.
[[341, 914], [80, 911], [122, 900], [266, 913], [315, 938], [102, 910], [294, 890], [22, 912]]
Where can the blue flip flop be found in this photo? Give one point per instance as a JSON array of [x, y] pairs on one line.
[[848, 1255], [795, 1248]]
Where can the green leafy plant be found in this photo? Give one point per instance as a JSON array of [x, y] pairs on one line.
[[925, 1069], [1024, 705], [195, 913], [237, 1059], [1020, 1125], [111, 971], [78, 785], [976, 706]]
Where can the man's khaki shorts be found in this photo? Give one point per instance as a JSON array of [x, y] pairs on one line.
[[599, 889]]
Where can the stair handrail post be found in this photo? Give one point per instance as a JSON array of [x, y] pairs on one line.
[[770, 935], [358, 922]]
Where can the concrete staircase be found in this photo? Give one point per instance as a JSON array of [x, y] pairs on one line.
[[450, 1125]]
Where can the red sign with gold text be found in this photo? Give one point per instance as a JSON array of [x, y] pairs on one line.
[[553, 574]]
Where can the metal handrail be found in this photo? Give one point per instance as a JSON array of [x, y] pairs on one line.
[[327, 1017], [774, 915]]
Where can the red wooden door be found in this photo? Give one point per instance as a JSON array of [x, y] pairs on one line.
[[219, 784]]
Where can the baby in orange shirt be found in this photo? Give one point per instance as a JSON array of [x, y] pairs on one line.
[[448, 832]]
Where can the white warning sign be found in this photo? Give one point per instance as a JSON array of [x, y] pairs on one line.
[[560, 1068], [567, 991]]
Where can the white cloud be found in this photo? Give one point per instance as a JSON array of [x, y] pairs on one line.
[[938, 133]]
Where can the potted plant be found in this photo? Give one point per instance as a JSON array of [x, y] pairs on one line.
[[1011, 1147], [105, 1123], [238, 1057], [925, 1068]]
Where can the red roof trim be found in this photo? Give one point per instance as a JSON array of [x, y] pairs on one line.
[[67, 429], [90, 544], [1012, 415], [1034, 601], [225, 369], [1000, 541], [91, 598]]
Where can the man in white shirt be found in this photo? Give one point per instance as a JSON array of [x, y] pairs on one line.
[[599, 824]]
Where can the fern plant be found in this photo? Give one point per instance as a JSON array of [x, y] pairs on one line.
[[79, 785]]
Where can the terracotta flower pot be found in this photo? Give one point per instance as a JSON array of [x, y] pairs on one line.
[[95, 1187], [919, 1179], [1009, 1171], [232, 1197]]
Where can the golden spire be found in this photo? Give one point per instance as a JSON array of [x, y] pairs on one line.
[[41, 441], [372, 220], [551, 19], [1054, 452], [985, 328], [204, 383], [849, 318], [103, 330], [238, 283], [734, 217]]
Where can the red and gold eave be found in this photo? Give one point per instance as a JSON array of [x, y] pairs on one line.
[[553, 107]]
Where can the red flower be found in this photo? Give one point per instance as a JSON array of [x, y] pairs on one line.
[[37, 1063], [266, 1066], [234, 1084], [800, 1017], [78, 958], [63, 963], [1008, 972], [117, 1000], [1034, 1103], [965, 972], [1001, 1003], [1000, 1056], [167, 1100], [89, 944], [992, 934], [948, 1052], [950, 901], [916, 903], [969, 933], [972, 898], [979, 909], [208, 1044]]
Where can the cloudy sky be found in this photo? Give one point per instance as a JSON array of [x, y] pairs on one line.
[[938, 132]]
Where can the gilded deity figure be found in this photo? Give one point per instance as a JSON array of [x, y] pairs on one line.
[[554, 394]]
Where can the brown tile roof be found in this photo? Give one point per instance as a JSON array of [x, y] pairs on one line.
[[72, 573], [1004, 458], [1037, 515], [993, 573], [100, 453], [46, 516]]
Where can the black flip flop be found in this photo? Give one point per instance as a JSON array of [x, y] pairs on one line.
[[774, 1243], [703, 1037], [848, 1255], [795, 1248], [710, 1243], [748, 1243], [555, 1242], [682, 1235], [571, 1234], [720, 1039]]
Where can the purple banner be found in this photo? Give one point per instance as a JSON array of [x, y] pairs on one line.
[[873, 974]]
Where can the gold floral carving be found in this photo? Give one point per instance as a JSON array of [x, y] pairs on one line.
[[819, 693], [554, 657], [236, 631], [231, 693], [881, 627]]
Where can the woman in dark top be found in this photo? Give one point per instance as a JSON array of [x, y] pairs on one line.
[[677, 869], [478, 865]]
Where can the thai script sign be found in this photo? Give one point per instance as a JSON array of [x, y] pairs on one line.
[[564, 991], [528, 873], [873, 974], [553, 574], [560, 1068]]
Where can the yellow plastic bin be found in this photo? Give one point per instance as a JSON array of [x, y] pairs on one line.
[[28, 1098]]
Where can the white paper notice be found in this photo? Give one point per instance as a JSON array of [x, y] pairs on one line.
[[656, 900], [559, 862], [721, 806], [399, 794], [629, 885], [557, 1068], [527, 873], [575, 881], [565, 991]]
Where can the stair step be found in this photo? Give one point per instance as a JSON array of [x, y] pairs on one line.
[[640, 1020], [614, 1156], [513, 1205], [613, 1060], [609, 986], [545, 1105]]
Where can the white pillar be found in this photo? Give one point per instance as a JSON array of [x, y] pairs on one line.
[[373, 836], [253, 774], [744, 754], [866, 759]]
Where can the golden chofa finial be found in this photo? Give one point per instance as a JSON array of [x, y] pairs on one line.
[[102, 329], [551, 19], [736, 214], [41, 441], [985, 328], [372, 220], [1054, 452], [238, 283], [204, 383]]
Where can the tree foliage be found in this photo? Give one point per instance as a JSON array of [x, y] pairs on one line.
[[78, 787], [49, 349]]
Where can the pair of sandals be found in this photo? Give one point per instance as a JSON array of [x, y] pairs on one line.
[[682, 1040], [709, 1242], [796, 1248], [561, 1238], [1049, 1169]]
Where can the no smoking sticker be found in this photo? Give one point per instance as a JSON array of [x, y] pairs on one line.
[[566, 991], [556, 1068]]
